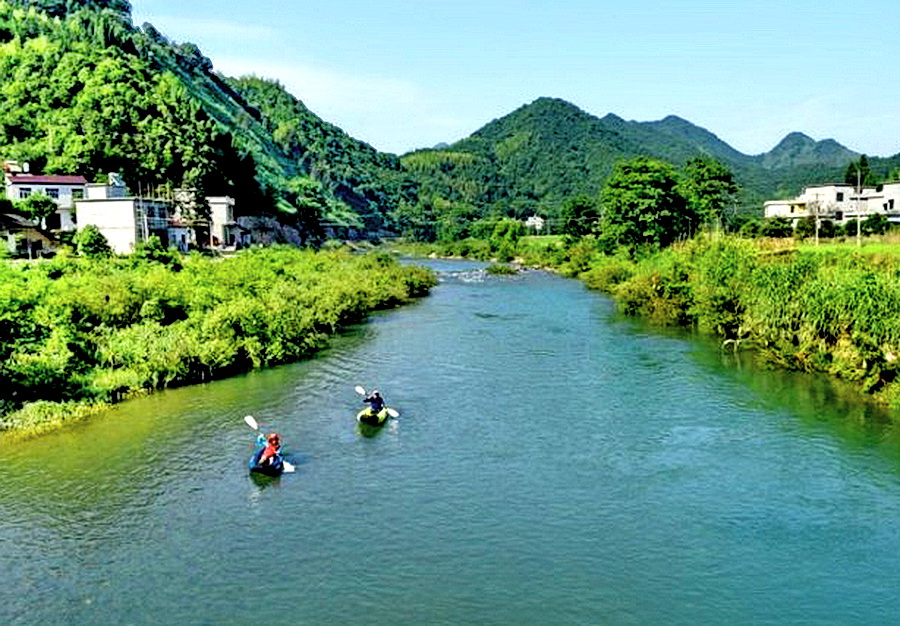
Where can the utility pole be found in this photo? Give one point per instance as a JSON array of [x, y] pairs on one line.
[[858, 210], [816, 209]]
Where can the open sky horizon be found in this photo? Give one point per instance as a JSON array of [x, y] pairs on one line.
[[403, 74]]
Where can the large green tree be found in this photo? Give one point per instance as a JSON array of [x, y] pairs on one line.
[[642, 205], [709, 187], [37, 207], [580, 216]]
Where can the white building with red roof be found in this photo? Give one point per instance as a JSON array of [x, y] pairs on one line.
[[65, 190]]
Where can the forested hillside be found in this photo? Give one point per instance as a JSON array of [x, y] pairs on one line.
[[550, 150], [84, 91]]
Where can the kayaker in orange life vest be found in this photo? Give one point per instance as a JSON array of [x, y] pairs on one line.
[[272, 449]]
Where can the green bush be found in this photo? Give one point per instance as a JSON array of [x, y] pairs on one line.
[[75, 329]]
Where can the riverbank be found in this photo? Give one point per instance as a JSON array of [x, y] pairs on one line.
[[833, 309], [78, 335]]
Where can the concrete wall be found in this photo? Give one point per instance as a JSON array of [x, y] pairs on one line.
[[221, 210], [115, 218]]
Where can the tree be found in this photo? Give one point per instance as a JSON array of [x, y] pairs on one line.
[[92, 244], [827, 229], [642, 205], [454, 221], [806, 227], [153, 250], [859, 173], [876, 224], [580, 217], [505, 237], [37, 207], [709, 187], [416, 220], [310, 202], [750, 228]]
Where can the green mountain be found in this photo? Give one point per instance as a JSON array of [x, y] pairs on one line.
[[84, 91], [798, 149], [549, 150]]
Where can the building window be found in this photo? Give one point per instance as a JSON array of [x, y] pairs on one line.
[[891, 204], [24, 192], [53, 193], [78, 194], [840, 196]]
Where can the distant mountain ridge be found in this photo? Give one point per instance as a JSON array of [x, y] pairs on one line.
[[179, 121], [550, 149]]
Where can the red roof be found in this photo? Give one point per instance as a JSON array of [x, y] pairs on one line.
[[49, 179]]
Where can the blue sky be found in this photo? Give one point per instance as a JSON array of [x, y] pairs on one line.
[[404, 74]]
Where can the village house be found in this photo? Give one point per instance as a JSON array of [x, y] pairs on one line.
[[19, 184], [839, 203], [127, 220], [535, 223], [64, 190], [224, 229]]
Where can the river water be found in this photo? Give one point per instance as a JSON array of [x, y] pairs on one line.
[[553, 463]]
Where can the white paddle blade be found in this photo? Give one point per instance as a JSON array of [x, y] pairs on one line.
[[360, 390], [288, 468], [251, 422], [393, 413]]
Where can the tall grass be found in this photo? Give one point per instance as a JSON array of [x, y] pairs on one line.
[[74, 331]]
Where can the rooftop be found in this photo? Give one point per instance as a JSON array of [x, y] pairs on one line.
[[44, 179]]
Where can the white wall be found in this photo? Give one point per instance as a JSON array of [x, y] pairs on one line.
[[222, 213], [64, 199], [115, 218]]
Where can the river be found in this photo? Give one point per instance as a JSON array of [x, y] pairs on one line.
[[553, 463]]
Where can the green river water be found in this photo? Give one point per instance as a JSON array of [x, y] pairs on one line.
[[554, 463]]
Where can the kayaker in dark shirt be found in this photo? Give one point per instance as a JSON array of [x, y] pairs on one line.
[[375, 401]]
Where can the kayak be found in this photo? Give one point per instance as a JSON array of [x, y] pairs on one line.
[[273, 467], [369, 417]]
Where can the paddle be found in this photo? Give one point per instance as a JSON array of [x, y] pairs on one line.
[[252, 423], [362, 391]]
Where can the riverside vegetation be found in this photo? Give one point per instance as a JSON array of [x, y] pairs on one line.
[[77, 333]]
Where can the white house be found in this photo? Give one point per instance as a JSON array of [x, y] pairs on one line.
[[224, 230], [885, 199], [64, 190], [126, 220], [535, 223], [839, 203]]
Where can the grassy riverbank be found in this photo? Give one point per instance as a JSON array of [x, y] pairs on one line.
[[832, 309], [827, 310], [76, 334]]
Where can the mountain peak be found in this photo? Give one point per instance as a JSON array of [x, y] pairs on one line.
[[794, 140], [800, 149]]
